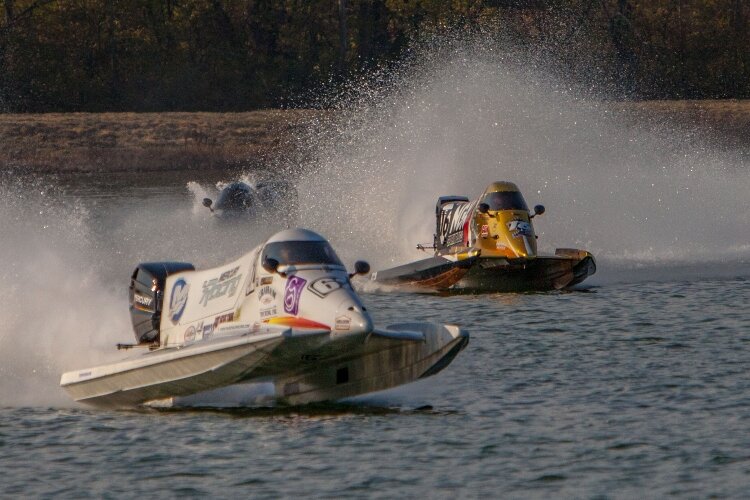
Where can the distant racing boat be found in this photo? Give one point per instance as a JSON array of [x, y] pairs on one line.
[[240, 200]]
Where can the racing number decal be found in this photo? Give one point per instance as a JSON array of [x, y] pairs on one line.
[[292, 293]]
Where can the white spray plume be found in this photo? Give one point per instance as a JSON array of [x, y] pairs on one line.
[[460, 114]]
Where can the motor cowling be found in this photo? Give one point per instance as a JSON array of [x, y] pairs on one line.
[[146, 297]]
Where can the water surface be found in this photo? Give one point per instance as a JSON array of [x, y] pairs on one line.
[[620, 391]]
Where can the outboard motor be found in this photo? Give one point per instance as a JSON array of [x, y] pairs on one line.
[[146, 287]]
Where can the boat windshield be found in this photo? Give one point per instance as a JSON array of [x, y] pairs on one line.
[[301, 252], [505, 200]]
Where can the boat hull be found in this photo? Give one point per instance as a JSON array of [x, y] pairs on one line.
[[538, 274], [382, 362], [169, 372], [435, 273], [566, 268], [304, 367], [377, 361]]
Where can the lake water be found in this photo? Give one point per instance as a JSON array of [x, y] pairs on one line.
[[633, 385]]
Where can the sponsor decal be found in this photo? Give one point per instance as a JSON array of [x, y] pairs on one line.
[[267, 280], [267, 295], [296, 322], [142, 300], [454, 239], [226, 284], [208, 330], [84, 374], [229, 274], [252, 282], [178, 300], [199, 329], [323, 286], [292, 294], [452, 219], [224, 318], [268, 313], [485, 231], [190, 334], [235, 328], [519, 228], [343, 322]]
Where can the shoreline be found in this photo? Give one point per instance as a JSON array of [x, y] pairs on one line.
[[148, 142]]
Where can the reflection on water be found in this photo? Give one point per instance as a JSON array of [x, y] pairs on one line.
[[310, 411]]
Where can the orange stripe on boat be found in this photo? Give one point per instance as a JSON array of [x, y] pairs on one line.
[[297, 322]]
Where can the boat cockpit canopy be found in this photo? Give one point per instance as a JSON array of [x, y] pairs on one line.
[[505, 200], [301, 252]]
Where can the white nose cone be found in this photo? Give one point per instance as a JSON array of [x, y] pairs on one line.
[[352, 317]]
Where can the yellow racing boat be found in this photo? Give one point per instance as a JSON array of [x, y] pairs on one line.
[[489, 245]]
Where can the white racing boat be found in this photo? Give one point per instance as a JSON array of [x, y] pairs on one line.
[[283, 314]]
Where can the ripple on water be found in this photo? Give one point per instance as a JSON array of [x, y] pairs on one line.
[[543, 401]]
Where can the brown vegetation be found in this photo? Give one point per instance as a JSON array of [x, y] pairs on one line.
[[115, 142], [146, 141]]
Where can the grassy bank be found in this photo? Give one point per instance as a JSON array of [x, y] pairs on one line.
[[147, 141], [120, 142]]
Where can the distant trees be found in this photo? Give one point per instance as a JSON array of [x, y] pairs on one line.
[[692, 48], [95, 55]]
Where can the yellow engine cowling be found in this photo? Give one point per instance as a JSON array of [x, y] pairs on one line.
[[505, 229]]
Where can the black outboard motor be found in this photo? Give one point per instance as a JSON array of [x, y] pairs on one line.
[[146, 289]]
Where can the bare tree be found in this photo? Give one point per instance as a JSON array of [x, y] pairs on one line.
[[8, 11], [343, 36]]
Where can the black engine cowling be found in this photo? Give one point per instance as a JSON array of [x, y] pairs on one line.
[[146, 296]]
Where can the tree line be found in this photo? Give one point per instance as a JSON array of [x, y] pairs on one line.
[[234, 55]]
